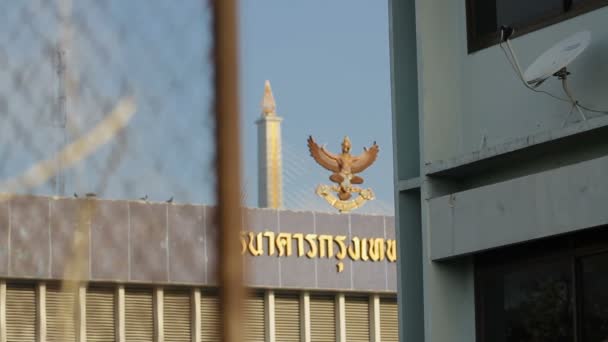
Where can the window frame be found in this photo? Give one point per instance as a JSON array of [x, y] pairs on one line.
[[571, 247], [477, 42]]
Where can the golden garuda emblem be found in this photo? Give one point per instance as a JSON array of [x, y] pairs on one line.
[[344, 167]]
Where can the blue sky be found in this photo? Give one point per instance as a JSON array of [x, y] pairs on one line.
[[327, 61]]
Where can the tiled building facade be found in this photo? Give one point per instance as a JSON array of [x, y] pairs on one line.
[[97, 270]]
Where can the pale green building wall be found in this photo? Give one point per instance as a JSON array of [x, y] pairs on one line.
[[445, 101]]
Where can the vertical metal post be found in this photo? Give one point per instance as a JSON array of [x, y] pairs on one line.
[[270, 322], [374, 318], [228, 166], [196, 314], [305, 317], [2, 311], [82, 313], [159, 314], [120, 314], [340, 318], [41, 314]]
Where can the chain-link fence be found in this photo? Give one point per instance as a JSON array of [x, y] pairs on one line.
[[108, 97], [111, 99]]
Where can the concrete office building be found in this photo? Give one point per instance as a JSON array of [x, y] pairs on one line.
[[88, 269], [145, 272], [501, 209]]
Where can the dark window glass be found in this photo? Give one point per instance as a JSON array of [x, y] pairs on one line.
[[582, 2], [532, 303], [518, 13], [594, 274], [486, 16], [527, 292]]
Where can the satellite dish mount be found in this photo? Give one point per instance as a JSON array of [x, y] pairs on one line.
[[552, 63], [562, 74]]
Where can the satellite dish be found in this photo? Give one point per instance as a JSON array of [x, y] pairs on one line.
[[556, 58], [553, 62]]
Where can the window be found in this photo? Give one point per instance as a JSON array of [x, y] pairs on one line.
[[530, 303], [550, 290], [594, 282], [484, 17]]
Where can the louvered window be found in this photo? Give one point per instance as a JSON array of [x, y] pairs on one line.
[[287, 318], [177, 321], [139, 315], [389, 323], [253, 316], [61, 314], [101, 321], [357, 319], [322, 319], [20, 313], [210, 317], [254, 319]]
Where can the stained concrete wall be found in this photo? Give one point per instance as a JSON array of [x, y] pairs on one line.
[[175, 244], [558, 201], [465, 97], [467, 193]]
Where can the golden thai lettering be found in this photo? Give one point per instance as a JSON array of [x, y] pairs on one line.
[[284, 244], [326, 246], [320, 246], [341, 246], [270, 236], [255, 250], [312, 242], [300, 238], [391, 250], [354, 249], [376, 249], [364, 255], [243, 243]]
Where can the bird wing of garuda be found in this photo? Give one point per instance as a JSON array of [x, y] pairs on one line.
[[365, 159], [322, 157]]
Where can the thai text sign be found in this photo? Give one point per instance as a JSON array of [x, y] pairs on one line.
[[319, 246]]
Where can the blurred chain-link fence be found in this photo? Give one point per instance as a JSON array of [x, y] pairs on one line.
[[114, 99], [108, 97]]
